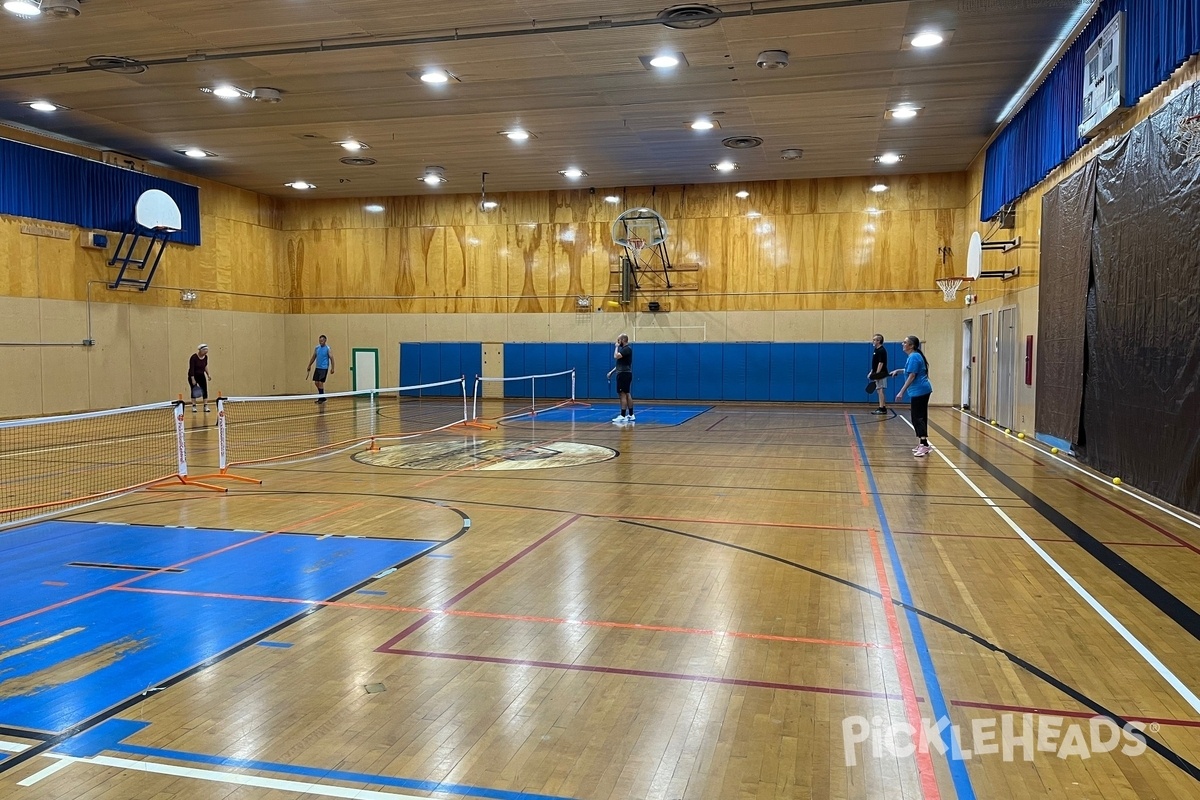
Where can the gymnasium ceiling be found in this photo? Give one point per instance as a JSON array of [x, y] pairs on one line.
[[569, 72]]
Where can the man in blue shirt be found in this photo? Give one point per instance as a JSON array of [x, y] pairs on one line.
[[324, 361]]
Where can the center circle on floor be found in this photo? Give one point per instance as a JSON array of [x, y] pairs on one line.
[[485, 455]]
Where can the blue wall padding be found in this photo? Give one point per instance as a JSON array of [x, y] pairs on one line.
[[829, 372]]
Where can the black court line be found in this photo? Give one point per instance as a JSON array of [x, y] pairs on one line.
[[1179, 612]]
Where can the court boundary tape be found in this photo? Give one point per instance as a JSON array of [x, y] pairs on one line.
[[1162, 669], [933, 688]]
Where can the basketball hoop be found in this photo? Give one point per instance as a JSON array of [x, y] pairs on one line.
[[636, 243], [950, 287], [1187, 139]]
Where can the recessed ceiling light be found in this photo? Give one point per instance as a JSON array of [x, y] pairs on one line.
[[665, 61], [724, 166], [23, 8], [927, 39], [434, 76], [743, 194], [195, 152], [703, 125], [889, 158], [353, 145], [517, 134], [612, 198], [44, 105], [374, 208], [226, 91], [879, 187], [301, 185], [904, 112], [574, 173], [433, 176]]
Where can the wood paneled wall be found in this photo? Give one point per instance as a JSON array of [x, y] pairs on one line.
[[791, 245]]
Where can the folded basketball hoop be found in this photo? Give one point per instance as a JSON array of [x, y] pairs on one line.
[[1187, 138]]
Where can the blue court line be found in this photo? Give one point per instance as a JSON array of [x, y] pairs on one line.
[[332, 774], [273, 644], [958, 768]]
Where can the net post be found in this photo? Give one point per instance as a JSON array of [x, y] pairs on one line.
[[223, 453], [180, 443], [533, 397]]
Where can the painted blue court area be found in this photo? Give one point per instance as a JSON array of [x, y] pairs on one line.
[[603, 412], [91, 626]]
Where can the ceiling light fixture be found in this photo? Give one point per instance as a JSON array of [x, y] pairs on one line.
[[612, 198], [353, 145], [724, 166], [23, 8], [195, 152], [903, 112], [226, 91], [62, 9], [879, 187], [373, 208], [435, 76], [665, 61], [517, 134], [927, 39], [301, 185], [703, 125], [434, 176], [889, 158], [574, 173], [742, 195], [43, 105]]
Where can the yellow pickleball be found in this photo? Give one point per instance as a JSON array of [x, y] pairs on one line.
[[1117, 481]]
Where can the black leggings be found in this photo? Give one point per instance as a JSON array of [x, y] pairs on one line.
[[919, 411]]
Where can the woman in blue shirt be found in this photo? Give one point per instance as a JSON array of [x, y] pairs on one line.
[[919, 389]]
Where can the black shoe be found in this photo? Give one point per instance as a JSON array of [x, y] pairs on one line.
[[880, 411]]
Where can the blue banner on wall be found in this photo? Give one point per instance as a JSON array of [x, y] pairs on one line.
[[57, 187]]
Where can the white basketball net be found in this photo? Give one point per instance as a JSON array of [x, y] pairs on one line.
[[949, 287], [1187, 140]]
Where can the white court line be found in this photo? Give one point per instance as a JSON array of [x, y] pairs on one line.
[[213, 776], [1151, 659], [1027, 442], [45, 773]]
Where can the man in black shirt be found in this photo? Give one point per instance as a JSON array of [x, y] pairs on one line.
[[879, 372], [624, 369]]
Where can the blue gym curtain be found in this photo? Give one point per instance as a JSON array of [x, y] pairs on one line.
[[1159, 36], [56, 187]]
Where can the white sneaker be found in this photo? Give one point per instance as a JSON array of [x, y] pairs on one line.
[[630, 418], [618, 420], [922, 451]]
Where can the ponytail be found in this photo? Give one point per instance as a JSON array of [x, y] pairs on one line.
[[916, 346]]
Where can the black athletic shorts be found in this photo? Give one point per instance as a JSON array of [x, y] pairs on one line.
[[624, 381], [319, 375]]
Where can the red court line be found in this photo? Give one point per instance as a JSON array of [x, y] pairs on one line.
[[929, 785], [429, 617], [1052, 712], [1035, 538], [679, 676], [194, 559], [705, 521], [1136, 516], [510, 617]]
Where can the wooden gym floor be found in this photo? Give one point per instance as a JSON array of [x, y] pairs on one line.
[[706, 611]]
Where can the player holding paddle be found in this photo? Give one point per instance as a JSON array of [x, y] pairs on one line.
[[623, 354]]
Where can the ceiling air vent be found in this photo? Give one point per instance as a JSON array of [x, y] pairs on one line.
[[358, 161], [742, 142], [689, 16], [121, 65]]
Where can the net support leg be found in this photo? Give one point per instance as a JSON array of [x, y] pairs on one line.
[[222, 472]]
